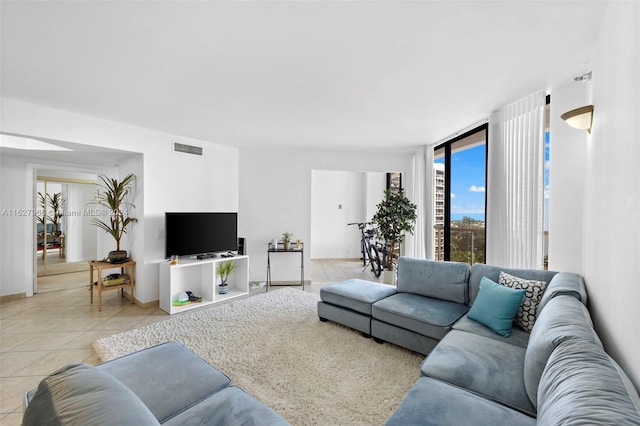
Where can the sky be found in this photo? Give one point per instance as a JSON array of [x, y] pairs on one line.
[[468, 184]]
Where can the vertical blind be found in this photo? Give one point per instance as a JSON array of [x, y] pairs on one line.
[[515, 187]]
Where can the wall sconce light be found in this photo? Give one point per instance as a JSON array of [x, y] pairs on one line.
[[580, 118]]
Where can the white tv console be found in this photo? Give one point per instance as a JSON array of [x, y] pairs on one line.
[[200, 278]]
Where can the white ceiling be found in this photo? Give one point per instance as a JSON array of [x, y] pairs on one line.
[[330, 74]]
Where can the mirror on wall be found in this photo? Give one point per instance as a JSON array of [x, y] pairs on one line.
[[65, 238]]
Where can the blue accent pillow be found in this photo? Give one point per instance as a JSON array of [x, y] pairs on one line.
[[496, 306]]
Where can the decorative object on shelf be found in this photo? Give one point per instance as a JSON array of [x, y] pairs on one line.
[[224, 269], [174, 259], [298, 243], [274, 243], [183, 299], [395, 215], [286, 239], [112, 196]]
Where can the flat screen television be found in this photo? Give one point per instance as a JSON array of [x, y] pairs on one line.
[[193, 233]]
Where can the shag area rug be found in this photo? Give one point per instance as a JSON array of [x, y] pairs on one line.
[[274, 347]]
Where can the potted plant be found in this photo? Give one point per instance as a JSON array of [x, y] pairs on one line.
[[224, 269], [112, 195], [395, 215], [286, 239]]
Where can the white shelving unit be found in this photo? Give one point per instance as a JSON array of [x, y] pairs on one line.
[[200, 278]]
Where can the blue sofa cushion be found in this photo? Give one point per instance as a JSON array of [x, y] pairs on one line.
[[480, 270], [442, 280], [488, 367], [431, 402], [423, 315], [167, 377], [357, 295], [564, 318], [496, 306], [581, 384], [230, 406], [518, 336], [526, 315], [79, 394]]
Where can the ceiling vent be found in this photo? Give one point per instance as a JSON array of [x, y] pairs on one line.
[[187, 149]]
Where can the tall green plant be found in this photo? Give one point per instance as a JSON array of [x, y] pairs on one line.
[[42, 202], [56, 201], [112, 195], [395, 215]]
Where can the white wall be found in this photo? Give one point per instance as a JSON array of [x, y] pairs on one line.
[[612, 203], [337, 198], [16, 231], [81, 235], [376, 185], [357, 193], [595, 186], [166, 181], [567, 172], [275, 195]]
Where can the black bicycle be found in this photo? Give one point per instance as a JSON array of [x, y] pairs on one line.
[[369, 250]]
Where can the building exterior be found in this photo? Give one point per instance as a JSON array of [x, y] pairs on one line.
[[438, 211]]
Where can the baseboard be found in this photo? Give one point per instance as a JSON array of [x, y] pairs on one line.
[[289, 283], [12, 297], [143, 305], [337, 259]]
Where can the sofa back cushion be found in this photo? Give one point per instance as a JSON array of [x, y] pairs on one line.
[[442, 280], [480, 270], [565, 318], [581, 384], [80, 394]]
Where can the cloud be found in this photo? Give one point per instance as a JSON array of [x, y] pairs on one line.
[[474, 188], [453, 195], [467, 209]]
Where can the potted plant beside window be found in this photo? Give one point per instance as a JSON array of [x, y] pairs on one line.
[[112, 195], [224, 269], [395, 215]]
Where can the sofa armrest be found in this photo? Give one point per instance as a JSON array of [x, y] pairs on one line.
[[79, 394]]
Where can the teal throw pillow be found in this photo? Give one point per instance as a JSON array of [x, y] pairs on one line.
[[496, 306]]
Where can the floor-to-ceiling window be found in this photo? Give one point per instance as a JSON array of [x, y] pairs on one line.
[[547, 143], [460, 170]]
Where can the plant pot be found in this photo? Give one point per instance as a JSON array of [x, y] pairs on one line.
[[117, 256], [223, 288], [286, 245], [389, 277]]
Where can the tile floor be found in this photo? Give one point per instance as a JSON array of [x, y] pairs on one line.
[[57, 326]]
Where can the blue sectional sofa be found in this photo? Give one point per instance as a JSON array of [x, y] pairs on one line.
[[554, 371], [165, 384]]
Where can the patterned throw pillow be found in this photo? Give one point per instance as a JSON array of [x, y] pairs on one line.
[[526, 316]]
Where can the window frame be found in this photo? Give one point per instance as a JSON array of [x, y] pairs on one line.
[[447, 145]]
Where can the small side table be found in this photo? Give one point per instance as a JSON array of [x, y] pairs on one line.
[[99, 266], [280, 249]]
